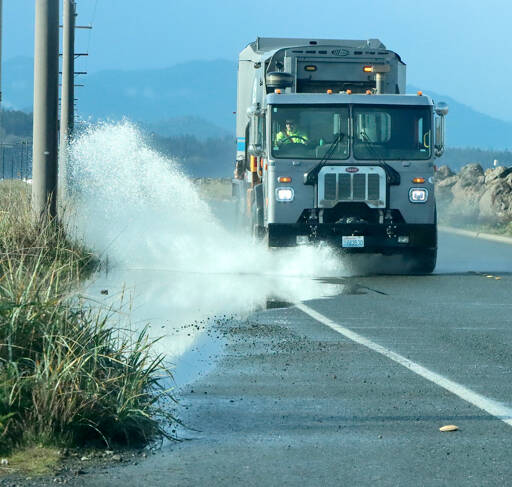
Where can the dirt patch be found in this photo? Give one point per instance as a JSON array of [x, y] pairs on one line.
[[40, 466]]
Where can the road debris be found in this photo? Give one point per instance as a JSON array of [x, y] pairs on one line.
[[449, 427]]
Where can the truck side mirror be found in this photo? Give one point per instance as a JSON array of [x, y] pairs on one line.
[[441, 110], [255, 114]]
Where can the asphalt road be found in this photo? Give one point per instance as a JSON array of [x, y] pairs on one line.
[[295, 402]]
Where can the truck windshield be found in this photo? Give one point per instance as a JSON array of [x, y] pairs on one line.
[[391, 132], [310, 132]]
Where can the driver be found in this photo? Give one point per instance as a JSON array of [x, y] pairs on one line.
[[291, 135]]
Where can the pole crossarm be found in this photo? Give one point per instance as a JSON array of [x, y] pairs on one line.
[[89, 27]]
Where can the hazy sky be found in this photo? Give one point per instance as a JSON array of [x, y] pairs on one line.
[[458, 48]]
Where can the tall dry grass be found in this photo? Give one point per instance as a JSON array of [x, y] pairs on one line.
[[66, 375]]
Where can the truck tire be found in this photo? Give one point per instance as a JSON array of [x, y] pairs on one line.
[[259, 232], [424, 261], [257, 227]]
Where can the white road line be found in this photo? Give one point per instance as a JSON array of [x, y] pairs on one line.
[[492, 407]]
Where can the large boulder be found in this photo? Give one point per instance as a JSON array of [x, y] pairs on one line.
[[471, 175], [495, 205], [495, 173]]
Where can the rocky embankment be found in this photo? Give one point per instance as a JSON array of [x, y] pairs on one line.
[[474, 196]]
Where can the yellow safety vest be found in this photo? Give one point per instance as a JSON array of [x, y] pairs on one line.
[[291, 137]]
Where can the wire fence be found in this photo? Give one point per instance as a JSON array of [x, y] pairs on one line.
[[16, 161]]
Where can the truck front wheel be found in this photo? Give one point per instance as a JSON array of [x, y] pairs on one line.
[[423, 261]]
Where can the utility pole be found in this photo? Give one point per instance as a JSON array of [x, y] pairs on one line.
[[67, 92], [46, 95]]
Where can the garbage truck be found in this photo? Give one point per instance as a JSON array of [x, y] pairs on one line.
[[331, 149]]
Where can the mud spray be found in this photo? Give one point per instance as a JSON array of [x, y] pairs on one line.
[[165, 244]]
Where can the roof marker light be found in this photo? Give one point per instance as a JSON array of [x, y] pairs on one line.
[[277, 91], [368, 69], [420, 93], [329, 92], [418, 180], [349, 92], [284, 179]]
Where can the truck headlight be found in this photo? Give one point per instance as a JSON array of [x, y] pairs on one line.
[[418, 195], [284, 194]]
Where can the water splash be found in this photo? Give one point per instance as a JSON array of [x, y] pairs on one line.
[[139, 208], [169, 250]]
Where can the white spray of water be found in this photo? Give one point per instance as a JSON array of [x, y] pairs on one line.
[[175, 257], [140, 209]]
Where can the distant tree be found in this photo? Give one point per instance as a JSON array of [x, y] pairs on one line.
[[16, 123], [212, 157]]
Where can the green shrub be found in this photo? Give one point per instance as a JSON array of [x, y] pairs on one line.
[[67, 375]]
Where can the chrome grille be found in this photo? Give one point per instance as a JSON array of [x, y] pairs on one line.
[[330, 186], [344, 186], [373, 187], [359, 187], [340, 183]]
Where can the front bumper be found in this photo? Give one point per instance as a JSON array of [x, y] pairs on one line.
[[378, 238]]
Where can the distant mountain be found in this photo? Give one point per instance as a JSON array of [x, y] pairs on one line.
[[204, 89], [199, 98]]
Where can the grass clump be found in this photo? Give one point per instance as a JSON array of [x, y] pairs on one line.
[[34, 460], [66, 376]]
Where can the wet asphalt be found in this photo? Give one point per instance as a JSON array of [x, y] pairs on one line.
[[291, 402]]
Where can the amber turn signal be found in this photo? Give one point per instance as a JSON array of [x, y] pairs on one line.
[[418, 180], [284, 179]]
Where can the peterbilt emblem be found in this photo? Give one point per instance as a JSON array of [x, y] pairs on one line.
[[352, 169]]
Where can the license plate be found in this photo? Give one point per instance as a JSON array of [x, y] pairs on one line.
[[352, 242]]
